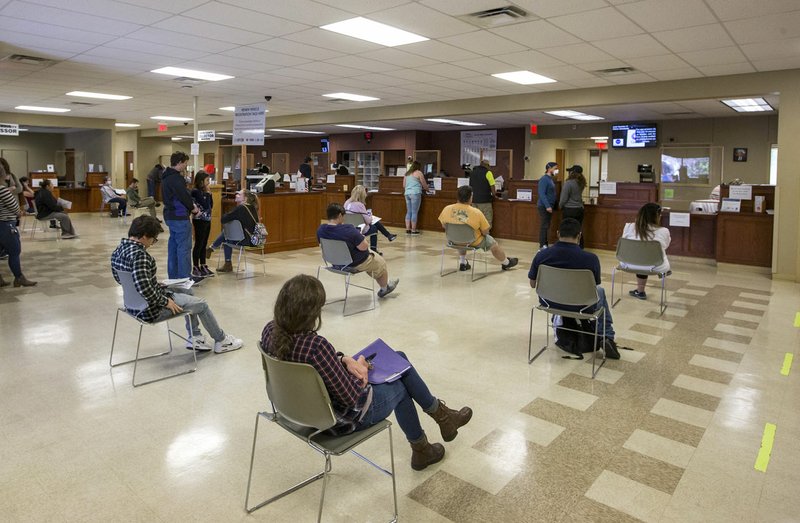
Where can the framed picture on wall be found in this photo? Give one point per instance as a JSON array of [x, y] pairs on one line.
[[740, 154]]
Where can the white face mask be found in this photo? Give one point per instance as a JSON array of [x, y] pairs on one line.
[[555, 172]]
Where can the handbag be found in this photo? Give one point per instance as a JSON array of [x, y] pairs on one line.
[[258, 236]]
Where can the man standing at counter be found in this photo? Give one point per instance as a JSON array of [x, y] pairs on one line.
[[547, 201], [305, 168], [178, 207], [481, 180]]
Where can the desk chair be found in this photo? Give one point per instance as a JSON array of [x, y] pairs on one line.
[[640, 254], [571, 287], [45, 226], [338, 260], [459, 236], [234, 234], [301, 406], [357, 220], [133, 300]]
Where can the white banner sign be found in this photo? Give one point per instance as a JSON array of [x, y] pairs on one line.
[[248, 124], [206, 136], [608, 188], [679, 219], [741, 192], [9, 129], [473, 142]]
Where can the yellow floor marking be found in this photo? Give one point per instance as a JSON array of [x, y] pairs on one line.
[[787, 363], [766, 447], [797, 319]]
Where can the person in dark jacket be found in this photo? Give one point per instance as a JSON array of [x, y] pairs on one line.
[[305, 168], [48, 208], [202, 225], [152, 177], [246, 212], [178, 208], [546, 202], [481, 180]]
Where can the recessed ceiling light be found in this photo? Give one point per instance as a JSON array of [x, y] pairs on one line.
[[524, 77], [587, 117], [575, 115], [86, 94], [127, 125], [598, 137], [352, 97], [176, 138], [172, 118], [293, 131], [374, 32], [224, 134], [42, 109], [365, 127], [748, 105], [454, 122], [191, 73]]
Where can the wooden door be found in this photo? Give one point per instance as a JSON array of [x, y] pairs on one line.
[[209, 158], [69, 160], [561, 156], [128, 160]]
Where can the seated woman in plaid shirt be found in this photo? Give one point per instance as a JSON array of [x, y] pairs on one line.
[[292, 336], [162, 302]]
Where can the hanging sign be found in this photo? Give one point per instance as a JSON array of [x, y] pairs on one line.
[[248, 124], [9, 129]]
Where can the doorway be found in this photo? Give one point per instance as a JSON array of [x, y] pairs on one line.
[[128, 159]]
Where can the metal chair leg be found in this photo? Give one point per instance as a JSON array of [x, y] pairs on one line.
[[663, 304], [594, 352], [324, 486], [530, 340], [621, 289]]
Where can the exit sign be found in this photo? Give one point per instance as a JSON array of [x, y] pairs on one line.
[[162, 127]]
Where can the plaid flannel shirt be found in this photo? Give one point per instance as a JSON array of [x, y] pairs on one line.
[[131, 256], [349, 399]]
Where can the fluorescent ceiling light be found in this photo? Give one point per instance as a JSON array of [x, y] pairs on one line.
[[225, 134], [293, 131], [352, 97], [374, 32], [524, 77], [598, 137], [172, 118], [454, 122], [191, 73], [575, 115], [176, 138], [127, 125], [86, 94], [229, 108], [748, 105], [365, 127], [42, 109]]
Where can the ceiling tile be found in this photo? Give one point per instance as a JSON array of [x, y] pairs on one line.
[[71, 19], [25, 40], [439, 51], [146, 61], [484, 65], [483, 42], [398, 58], [537, 34], [171, 38], [723, 55], [359, 62], [200, 28], [565, 73], [529, 60], [154, 48], [769, 50], [792, 62], [303, 11], [550, 8], [52, 31], [288, 47], [631, 46], [263, 56], [239, 19], [694, 38], [173, 6], [577, 53], [676, 74], [413, 76], [636, 78], [657, 63], [657, 15], [597, 24], [720, 70], [333, 41], [765, 28], [738, 9], [590, 82], [301, 74], [461, 7], [360, 7], [446, 71], [113, 10], [384, 80], [422, 20]]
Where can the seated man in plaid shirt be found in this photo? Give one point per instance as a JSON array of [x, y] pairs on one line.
[[162, 303]]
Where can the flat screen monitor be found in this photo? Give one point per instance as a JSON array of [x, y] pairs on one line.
[[634, 135]]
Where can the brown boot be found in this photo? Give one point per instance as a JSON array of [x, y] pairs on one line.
[[450, 420], [209, 252], [3, 282], [424, 454], [22, 281], [226, 267]]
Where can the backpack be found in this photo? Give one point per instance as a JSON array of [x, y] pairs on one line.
[[581, 342], [258, 236]]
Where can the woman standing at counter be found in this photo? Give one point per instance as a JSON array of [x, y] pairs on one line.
[[413, 184], [647, 228], [571, 201]]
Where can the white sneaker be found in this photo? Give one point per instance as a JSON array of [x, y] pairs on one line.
[[198, 343], [228, 344]]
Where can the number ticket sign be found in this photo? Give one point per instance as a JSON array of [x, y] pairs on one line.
[[9, 129], [206, 136], [248, 124]]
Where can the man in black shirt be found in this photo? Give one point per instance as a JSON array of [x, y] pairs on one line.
[[481, 180], [305, 168]]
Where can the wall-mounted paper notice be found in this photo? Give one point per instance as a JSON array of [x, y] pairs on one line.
[[130, 166], [53, 182], [608, 187], [730, 205], [36, 182], [741, 192], [91, 167], [679, 219], [331, 178], [287, 178], [462, 182], [51, 168], [437, 184], [525, 195]]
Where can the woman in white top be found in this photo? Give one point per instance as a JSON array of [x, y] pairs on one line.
[[357, 205], [648, 227]]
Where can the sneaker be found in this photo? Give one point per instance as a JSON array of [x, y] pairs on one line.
[[464, 266], [408, 231], [636, 294], [392, 237], [197, 273], [611, 349], [389, 288], [53, 224], [68, 236], [197, 343], [512, 262], [227, 344], [416, 233], [206, 271]]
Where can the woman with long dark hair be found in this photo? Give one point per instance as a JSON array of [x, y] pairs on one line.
[[648, 227], [9, 234], [202, 225], [571, 201], [246, 212], [292, 336]]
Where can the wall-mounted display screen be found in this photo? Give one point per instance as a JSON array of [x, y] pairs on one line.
[[634, 135]]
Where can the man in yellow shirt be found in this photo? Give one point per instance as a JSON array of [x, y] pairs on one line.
[[463, 212]]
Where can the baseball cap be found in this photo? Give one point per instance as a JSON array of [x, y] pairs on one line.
[[575, 168], [550, 165]]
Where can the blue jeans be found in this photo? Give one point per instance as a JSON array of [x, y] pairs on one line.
[[373, 236], [10, 243], [151, 188], [179, 252], [413, 202], [227, 249], [603, 304], [121, 202], [199, 310], [399, 396]]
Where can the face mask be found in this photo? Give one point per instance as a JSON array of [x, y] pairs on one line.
[[555, 172]]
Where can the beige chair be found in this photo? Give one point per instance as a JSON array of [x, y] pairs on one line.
[[573, 288], [459, 236], [234, 234], [301, 406], [338, 260], [356, 220], [640, 254]]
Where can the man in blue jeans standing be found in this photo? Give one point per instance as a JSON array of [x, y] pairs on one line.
[[178, 208], [567, 254], [546, 202]]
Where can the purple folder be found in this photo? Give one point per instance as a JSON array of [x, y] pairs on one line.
[[387, 365]]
